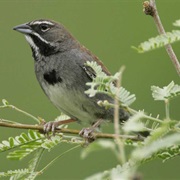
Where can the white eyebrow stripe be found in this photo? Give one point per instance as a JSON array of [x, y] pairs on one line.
[[41, 22]]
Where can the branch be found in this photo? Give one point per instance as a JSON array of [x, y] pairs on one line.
[[69, 131], [151, 9], [119, 142]]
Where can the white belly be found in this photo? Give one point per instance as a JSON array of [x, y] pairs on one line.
[[70, 102]]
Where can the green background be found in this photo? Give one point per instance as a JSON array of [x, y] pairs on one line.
[[108, 28]]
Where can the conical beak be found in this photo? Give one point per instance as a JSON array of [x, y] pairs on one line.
[[23, 28]]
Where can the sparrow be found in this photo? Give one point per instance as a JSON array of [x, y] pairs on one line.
[[61, 70]]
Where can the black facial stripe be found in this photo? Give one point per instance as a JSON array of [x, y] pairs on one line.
[[44, 48], [51, 77]]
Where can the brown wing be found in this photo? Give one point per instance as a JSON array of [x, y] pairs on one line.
[[90, 72]]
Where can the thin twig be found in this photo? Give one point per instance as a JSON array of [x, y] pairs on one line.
[[146, 116], [56, 158], [116, 103], [151, 9], [120, 143], [21, 111], [167, 103], [69, 131]]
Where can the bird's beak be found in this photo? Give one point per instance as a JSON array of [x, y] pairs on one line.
[[23, 28]]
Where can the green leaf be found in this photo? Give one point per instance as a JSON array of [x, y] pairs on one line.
[[104, 84], [167, 92], [18, 172], [25, 136], [27, 143], [134, 124], [97, 146], [62, 117], [12, 142], [5, 102], [124, 96], [123, 172], [149, 150], [18, 154], [169, 153], [177, 23], [32, 134], [99, 176], [51, 143], [159, 132], [31, 175], [158, 41], [96, 68], [6, 143], [33, 163]]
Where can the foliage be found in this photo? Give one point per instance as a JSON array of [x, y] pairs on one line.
[[160, 40], [167, 92], [27, 144], [119, 172], [32, 142], [105, 84], [162, 142]]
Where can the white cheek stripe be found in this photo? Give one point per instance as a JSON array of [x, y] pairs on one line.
[[33, 45], [41, 22], [36, 34], [31, 42]]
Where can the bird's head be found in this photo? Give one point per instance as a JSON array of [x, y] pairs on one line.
[[46, 36]]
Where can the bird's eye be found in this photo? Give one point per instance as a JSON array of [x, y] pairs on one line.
[[44, 27]]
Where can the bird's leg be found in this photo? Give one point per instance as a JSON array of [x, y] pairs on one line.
[[51, 126], [87, 133]]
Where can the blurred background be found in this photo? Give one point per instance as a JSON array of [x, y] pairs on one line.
[[108, 28]]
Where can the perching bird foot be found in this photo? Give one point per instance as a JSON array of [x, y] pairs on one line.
[[87, 134], [52, 126]]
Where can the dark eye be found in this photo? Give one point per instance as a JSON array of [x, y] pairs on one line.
[[44, 27]]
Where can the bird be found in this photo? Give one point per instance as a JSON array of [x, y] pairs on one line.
[[61, 70]]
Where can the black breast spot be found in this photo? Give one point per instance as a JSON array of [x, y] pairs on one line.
[[52, 78]]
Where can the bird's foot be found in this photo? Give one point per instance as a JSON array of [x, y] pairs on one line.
[[88, 133], [52, 126]]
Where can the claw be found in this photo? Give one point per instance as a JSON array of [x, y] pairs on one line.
[[51, 126], [87, 134]]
